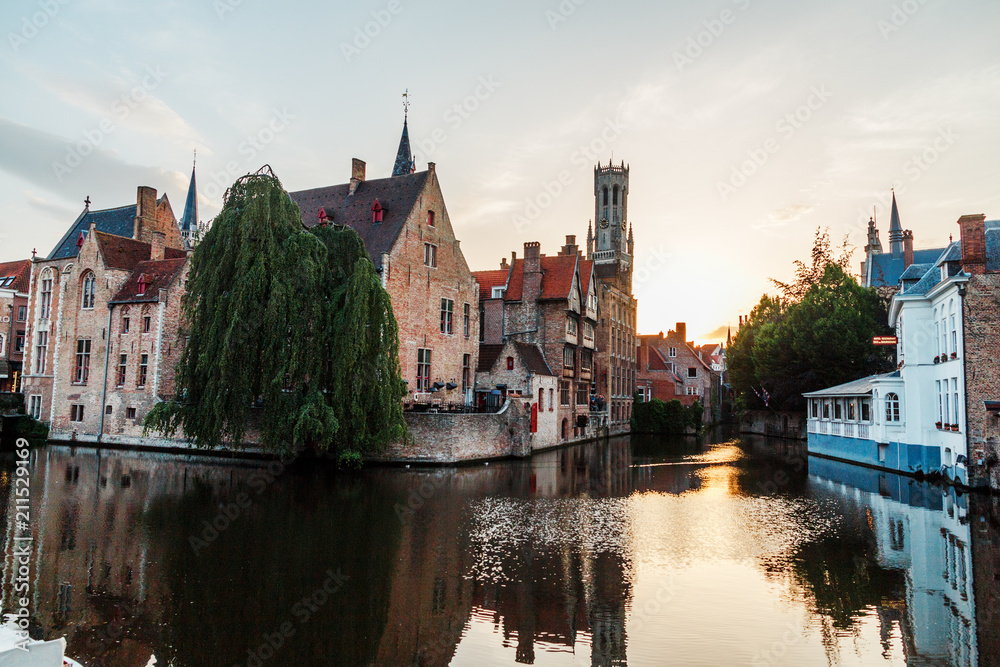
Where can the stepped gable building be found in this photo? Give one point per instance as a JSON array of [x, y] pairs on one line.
[[408, 233], [15, 278], [612, 252], [883, 270], [672, 367], [104, 318], [546, 301]]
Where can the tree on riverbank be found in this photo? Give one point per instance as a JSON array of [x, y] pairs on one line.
[[291, 338], [818, 335], [670, 417]]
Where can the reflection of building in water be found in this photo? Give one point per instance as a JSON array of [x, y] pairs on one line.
[[985, 529], [923, 532]]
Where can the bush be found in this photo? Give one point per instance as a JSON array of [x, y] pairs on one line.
[[36, 432], [349, 460], [11, 404], [668, 418]]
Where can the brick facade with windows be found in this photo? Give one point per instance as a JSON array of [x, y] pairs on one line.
[[15, 279], [671, 367]]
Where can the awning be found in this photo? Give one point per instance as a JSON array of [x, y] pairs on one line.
[[4, 369]]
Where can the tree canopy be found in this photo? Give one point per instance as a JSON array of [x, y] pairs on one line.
[[819, 334], [291, 339]]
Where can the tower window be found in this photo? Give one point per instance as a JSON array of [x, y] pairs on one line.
[[605, 196], [614, 196]]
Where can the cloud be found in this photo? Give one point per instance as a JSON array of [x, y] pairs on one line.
[[716, 335]]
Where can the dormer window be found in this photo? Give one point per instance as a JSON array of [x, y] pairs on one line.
[[430, 218], [376, 212], [141, 289]]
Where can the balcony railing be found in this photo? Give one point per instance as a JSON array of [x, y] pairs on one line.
[[846, 429]]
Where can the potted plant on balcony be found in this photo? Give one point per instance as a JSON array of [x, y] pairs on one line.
[[937, 360], [937, 425], [954, 427], [954, 355]]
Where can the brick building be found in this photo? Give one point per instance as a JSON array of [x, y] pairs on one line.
[[15, 278], [547, 301], [672, 367], [409, 236], [612, 252], [104, 317]]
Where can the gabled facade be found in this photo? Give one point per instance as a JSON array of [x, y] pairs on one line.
[[408, 233], [939, 412], [15, 277], [80, 297], [671, 362]]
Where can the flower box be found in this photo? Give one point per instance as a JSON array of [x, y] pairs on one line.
[[937, 360], [954, 355], [938, 425], [954, 427]]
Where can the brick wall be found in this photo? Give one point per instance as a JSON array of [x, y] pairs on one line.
[[982, 373], [778, 424]]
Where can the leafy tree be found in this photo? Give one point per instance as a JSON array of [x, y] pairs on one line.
[[807, 275], [743, 376], [290, 335], [671, 417]]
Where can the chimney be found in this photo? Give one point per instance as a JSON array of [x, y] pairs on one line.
[[571, 248], [145, 212], [907, 248], [682, 331], [532, 271], [357, 175], [973, 238], [431, 166], [156, 246], [503, 264]]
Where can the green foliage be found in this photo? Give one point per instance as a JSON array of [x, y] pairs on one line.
[[822, 340], [349, 460], [34, 431], [807, 275], [286, 337], [668, 418], [11, 403]]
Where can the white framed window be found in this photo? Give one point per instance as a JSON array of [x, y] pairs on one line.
[[35, 406], [423, 369], [45, 296], [447, 315], [891, 407], [940, 403], [41, 348], [672, 352], [87, 291], [76, 413], [82, 371], [430, 255], [954, 328], [498, 292], [954, 401]]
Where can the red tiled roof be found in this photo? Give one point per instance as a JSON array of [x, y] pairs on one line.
[[533, 359], [20, 271], [120, 252], [174, 253], [158, 275], [490, 279], [488, 355], [557, 277], [586, 271]]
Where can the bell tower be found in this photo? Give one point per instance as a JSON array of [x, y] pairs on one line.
[[611, 208]]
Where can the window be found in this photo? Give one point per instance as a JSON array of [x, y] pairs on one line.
[[826, 409], [430, 255], [569, 358], [22, 313], [447, 312], [692, 372], [586, 361], [552, 399], [497, 292], [891, 407], [605, 193], [815, 408], [937, 333], [940, 403], [19, 341], [35, 407], [851, 410], [430, 218], [838, 409], [376, 212], [82, 372], [692, 391], [122, 368], [866, 410], [130, 413], [541, 397], [510, 363], [954, 401], [147, 321], [466, 372], [45, 298], [614, 196], [571, 326], [141, 288], [107, 409], [482, 322], [954, 330], [672, 352], [947, 403], [89, 287], [41, 347], [588, 332], [466, 319], [423, 369], [143, 367], [564, 392], [76, 413], [2, 341], [126, 320], [581, 393]]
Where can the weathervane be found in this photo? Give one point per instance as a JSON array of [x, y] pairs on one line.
[[86, 201], [406, 103]]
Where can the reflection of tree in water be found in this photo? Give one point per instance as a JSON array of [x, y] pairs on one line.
[[244, 585]]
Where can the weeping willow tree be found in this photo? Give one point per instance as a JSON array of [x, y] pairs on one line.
[[291, 337]]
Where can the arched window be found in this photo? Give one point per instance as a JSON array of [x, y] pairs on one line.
[[377, 212], [2, 340], [126, 320], [147, 320], [937, 333], [891, 407], [954, 328], [89, 286], [45, 295], [614, 196], [605, 196]]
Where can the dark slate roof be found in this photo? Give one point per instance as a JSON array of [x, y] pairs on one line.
[[174, 253], [915, 271], [488, 355], [159, 275], [118, 221], [886, 269], [190, 219], [488, 280], [397, 196], [993, 245], [120, 252], [20, 271], [404, 159], [953, 253], [860, 387], [557, 277], [533, 359]]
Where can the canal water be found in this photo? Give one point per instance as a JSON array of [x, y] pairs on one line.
[[645, 551]]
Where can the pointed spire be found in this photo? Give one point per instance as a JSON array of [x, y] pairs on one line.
[[189, 222], [895, 230], [404, 157], [729, 338], [894, 224]]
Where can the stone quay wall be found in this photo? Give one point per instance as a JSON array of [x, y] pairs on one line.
[[776, 424]]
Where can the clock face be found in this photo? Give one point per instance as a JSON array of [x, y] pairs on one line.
[[623, 225], [604, 223]]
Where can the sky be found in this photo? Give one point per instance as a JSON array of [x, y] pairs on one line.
[[747, 124]]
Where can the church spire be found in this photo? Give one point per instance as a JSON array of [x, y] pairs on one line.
[[404, 157], [895, 230], [189, 222]]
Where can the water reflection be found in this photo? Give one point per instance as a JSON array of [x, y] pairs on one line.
[[645, 552]]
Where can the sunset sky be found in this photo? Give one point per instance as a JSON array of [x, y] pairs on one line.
[[824, 106]]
